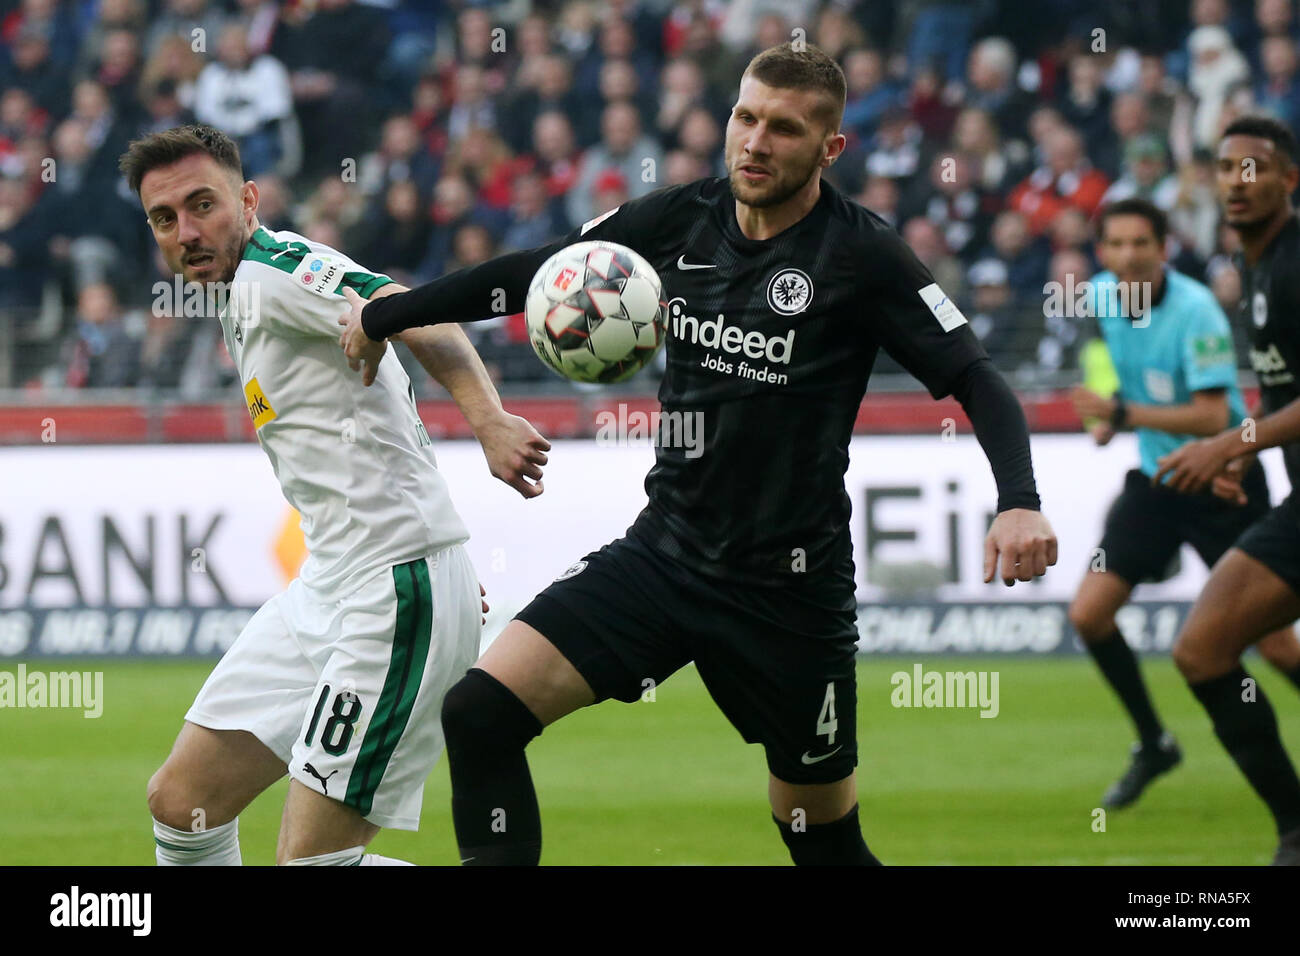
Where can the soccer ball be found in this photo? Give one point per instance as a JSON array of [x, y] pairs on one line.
[[595, 312]]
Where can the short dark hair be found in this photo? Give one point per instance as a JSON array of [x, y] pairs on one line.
[[1135, 206], [808, 68], [1266, 127], [173, 145]]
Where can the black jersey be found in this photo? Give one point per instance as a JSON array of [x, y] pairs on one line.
[[769, 349], [1270, 307], [771, 342]]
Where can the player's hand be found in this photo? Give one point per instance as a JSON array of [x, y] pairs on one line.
[[1026, 543], [1194, 465], [1088, 404], [360, 349], [1102, 433], [515, 452], [1227, 484], [482, 593]]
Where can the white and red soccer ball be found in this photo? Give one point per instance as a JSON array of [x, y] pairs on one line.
[[595, 312]]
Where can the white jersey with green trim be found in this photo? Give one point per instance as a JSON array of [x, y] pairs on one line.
[[356, 462]]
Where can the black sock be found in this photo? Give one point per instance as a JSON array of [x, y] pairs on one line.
[[493, 803], [828, 844], [1119, 665], [1248, 729]]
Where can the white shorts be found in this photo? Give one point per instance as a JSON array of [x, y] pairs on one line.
[[348, 693]]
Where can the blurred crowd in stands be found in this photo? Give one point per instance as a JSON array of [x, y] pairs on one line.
[[421, 136]]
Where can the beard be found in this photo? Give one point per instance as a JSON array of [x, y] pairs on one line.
[[1250, 226], [779, 190], [1259, 218], [226, 259]]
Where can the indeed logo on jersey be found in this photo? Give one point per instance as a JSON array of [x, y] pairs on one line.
[[319, 273], [717, 334], [1270, 366]]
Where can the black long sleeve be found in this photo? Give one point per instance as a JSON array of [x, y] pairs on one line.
[[500, 286], [1002, 431], [466, 295]]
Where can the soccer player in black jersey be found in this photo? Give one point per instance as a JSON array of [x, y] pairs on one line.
[[1255, 586], [1177, 378], [781, 292]]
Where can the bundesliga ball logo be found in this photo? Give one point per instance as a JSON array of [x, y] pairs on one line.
[[595, 312]]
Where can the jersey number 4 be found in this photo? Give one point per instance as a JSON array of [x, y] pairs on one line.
[[826, 722]]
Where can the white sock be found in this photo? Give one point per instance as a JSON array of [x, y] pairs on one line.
[[349, 857], [218, 846], [355, 856]]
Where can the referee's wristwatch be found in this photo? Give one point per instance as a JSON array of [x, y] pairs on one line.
[[1119, 417]]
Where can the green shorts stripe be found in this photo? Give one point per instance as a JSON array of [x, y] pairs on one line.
[[401, 686]]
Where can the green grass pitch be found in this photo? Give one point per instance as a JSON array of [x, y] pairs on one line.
[[670, 782]]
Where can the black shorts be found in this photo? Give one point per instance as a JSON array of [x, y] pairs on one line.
[[780, 667], [1274, 541], [1146, 525]]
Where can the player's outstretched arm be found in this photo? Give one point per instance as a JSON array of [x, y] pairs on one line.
[[1020, 538], [515, 450], [487, 290], [500, 286], [496, 287], [1196, 464]]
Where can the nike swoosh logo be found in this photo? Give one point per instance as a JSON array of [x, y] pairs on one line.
[[687, 266], [812, 760]]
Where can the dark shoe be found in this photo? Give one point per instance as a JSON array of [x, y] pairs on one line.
[[1148, 763]]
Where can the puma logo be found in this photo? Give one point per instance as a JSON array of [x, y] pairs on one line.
[[324, 781]]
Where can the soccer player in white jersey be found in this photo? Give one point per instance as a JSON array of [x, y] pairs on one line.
[[339, 678]]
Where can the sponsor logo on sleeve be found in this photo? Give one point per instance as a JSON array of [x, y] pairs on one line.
[[593, 223], [1210, 350], [942, 307], [320, 273], [572, 571]]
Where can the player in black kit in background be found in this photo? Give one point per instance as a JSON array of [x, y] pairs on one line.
[[1255, 586], [781, 292]]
